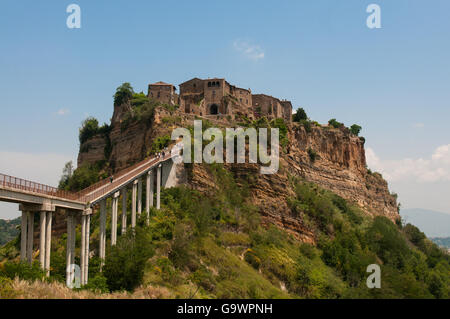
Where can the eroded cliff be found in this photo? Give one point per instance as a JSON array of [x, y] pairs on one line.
[[331, 158]]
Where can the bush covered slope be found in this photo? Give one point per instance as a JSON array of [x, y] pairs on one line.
[[8, 230], [215, 247]]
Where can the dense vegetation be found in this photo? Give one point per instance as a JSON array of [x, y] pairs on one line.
[[8, 230]]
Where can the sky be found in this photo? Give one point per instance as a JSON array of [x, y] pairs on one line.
[[393, 81]]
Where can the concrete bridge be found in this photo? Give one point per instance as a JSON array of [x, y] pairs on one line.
[[34, 198]]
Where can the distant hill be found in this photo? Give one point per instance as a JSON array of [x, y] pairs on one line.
[[442, 241], [8, 230], [432, 223]]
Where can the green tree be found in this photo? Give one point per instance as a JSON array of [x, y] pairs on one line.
[[300, 115], [66, 175], [355, 129], [125, 262], [123, 93], [88, 129], [335, 123]]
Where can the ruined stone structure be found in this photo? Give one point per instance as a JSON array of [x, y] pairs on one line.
[[271, 107], [163, 92], [217, 97]]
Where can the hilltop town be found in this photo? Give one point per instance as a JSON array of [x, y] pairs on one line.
[[217, 97]]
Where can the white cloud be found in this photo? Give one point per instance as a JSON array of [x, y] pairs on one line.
[[436, 168], [62, 112], [418, 125], [251, 51]]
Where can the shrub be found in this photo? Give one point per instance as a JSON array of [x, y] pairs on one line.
[[23, 271], [97, 284], [125, 262], [160, 143], [355, 129], [123, 93], [84, 176], [88, 129], [252, 259], [312, 155], [300, 115], [279, 123], [307, 125], [335, 123]]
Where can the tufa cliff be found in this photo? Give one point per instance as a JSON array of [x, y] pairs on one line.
[[331, 158]]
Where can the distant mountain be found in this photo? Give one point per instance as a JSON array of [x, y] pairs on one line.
[[442, 241], [432, 223], [8, 230]]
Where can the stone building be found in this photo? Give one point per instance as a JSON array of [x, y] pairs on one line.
[[217, 97], [163, 92], [271, 107], [214, 97]]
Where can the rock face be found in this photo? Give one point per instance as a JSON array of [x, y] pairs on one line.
[[332, 158]]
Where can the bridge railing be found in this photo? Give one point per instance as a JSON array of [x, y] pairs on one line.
[[123, 178], [24, 185], [106, 181], [88, 194]]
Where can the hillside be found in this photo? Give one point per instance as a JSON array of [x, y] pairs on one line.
[[442, 241], [227, 231], [8, 230]]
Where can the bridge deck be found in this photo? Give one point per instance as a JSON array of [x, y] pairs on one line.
[[17, 190]]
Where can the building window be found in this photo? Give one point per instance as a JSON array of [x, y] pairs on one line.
[[159, 94], [217, 84], [209, 84]]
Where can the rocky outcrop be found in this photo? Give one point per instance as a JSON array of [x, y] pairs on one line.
[[332, 158]]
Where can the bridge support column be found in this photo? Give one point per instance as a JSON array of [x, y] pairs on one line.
[[69, 251], [23, 236], [115, 206], [48, 241], [83, 247], [86, 259], [158, 187], [149, 194], [85, 229], [133, 205], [124, 211], [139, 196], [42, 238], [30, 235], [102, 231]]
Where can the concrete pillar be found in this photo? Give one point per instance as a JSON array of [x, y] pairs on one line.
[[42, 238], [102, 238], [158, 187], [115, 206], [30, 233], [83, 247], [48, 241], [149, 194], [69, 252], [74, 237], [86, 258], [23, 237], [124, 211], [133, 205], [139, 196]]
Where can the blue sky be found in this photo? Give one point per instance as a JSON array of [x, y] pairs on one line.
[[393, 81]]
